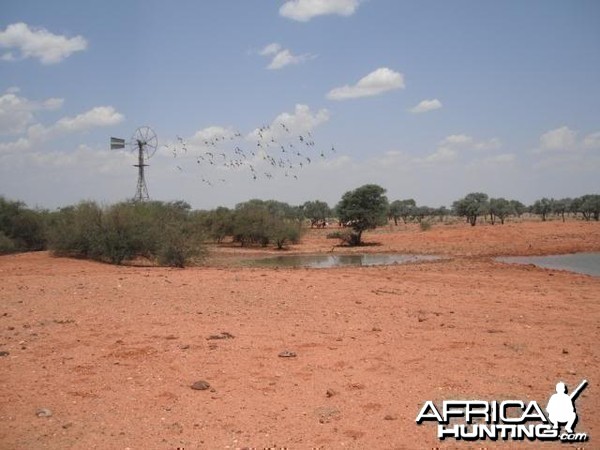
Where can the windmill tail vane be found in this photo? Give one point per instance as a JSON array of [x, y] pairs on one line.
[[117, 143]]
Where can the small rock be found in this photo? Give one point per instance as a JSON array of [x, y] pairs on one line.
[[4, 353], [223, 335], [184, 346], [326, 414], [390, 417], [330, 393], [287, 354], [43, 412], [565, 351], [67, 425], [375, 329], [201, 385]]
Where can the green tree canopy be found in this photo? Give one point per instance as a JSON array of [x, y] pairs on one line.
[[362, 209], [316, 211], [543, 207], [472, 206], [500, 208]]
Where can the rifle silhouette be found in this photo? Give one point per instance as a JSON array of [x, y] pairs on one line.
[[578, 390]]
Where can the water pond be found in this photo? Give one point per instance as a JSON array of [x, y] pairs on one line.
[[328, 261], [587, 263]]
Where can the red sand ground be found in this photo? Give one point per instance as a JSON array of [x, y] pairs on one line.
[[112, 351]]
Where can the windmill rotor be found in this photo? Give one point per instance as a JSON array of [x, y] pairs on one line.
[[144, 138]]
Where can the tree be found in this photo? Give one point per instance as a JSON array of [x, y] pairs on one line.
[[441, 212], [543, 207], [362, 209], [590, 206], [263, 222], [472, 206], [518, 207], [421, 212], [402, 208], [500, 208], [317, 212], [561, 207], [218, 223]]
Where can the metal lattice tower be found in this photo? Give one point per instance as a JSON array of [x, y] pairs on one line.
[[144, 141], [141, 192]]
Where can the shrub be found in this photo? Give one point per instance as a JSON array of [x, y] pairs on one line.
[[77, 231], [23, 227], [346, 237], [7, 245], [283, 231], [156, 230], [260, 223], [425, 225]]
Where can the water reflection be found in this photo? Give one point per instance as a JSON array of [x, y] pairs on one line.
[[587, 263], [327, 261]]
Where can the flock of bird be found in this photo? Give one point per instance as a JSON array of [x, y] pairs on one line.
[[273, 150]]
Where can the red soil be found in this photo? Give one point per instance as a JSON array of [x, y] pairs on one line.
[[113, 351]]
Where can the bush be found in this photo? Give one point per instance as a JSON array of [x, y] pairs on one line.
[[7, 245], [261, 223], [346, 237], [284, 231], [425, 225], [23, 227], [165, 232], [77, 231]]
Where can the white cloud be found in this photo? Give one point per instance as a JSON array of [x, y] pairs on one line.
[[301, 121], [286, 58], [282, 57], [304, 10], [16, 112], [8, 56], [494, 160], [38, 43], [465, 141], [100, 116], [561, 148], [271, 49], [442, 155], [502, 158], [592, 140], [426, 105], [20, 145], [453, 147], [457, 139], [210, 133], [375, 83], [490, 144], [562, 138]]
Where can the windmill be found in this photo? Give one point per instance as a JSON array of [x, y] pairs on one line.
[[143, 141]]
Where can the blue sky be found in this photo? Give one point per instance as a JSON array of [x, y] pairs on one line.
[[430, 99]]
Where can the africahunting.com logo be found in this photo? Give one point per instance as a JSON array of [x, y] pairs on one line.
[[473, 420]]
